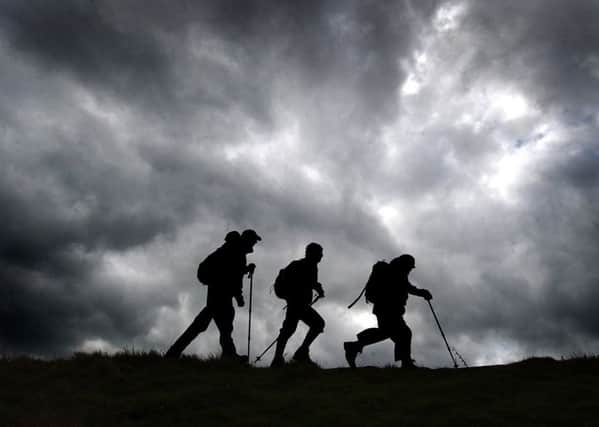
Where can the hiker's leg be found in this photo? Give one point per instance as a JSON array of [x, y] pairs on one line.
[[366, 337], [316, 324], [371, 336], [288, 328], [199, 324], [402, 337], [374, 335], [223, 317]]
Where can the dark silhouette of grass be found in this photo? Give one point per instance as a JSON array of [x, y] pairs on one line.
[[132, 388]]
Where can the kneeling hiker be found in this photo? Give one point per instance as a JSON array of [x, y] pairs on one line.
[[388, 288], [295, 284]]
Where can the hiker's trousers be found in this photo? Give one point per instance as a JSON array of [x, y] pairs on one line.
[[219, 307], [295, 313], [306, 314], [393, 326]]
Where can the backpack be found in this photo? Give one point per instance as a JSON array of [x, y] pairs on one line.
[[376, 280], [208, 269], [282, 285]]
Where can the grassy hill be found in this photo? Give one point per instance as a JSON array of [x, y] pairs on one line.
[[129, 389]]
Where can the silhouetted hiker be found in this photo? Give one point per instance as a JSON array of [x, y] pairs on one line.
[[222, 271], [296, 284], [388, 288]]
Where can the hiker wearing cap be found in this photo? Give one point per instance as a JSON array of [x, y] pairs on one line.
[[296, 284], [222, 271], [388, 288]]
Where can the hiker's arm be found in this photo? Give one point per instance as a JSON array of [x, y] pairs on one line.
[[249, 270], [424, 293], [238, 292], [318, 288], [238, 295]]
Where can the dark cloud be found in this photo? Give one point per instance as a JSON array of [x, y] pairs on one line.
[[133, 136], [544, 47], [80, 37]]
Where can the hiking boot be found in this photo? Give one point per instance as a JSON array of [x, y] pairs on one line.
[[277, 362], [351, 352], [408, 364], [302, 356]]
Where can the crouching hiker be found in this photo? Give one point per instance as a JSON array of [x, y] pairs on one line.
[[295, 284], [222, 271], [388, 288]]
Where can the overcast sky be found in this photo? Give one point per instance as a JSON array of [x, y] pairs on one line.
[[134, 135]]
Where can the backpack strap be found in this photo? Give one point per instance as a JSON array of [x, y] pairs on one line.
[[358, 298], [375, 270]]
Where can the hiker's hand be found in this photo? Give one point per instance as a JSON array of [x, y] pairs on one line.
[[426, 295], [319, 290], [251, 268], [240, 301]]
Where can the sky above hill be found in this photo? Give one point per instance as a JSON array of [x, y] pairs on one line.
[[134, 135]]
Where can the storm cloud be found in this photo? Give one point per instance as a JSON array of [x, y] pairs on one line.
[[134, 135]]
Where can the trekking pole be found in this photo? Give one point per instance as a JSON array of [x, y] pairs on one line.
[[250, 313], [460, 357], [266, 350], [455, 365], [277, 338]]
